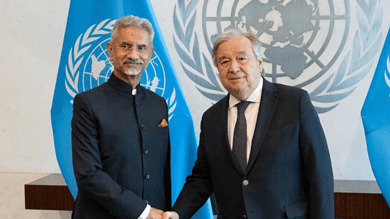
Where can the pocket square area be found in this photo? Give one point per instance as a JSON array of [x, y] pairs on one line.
[[163, 123]]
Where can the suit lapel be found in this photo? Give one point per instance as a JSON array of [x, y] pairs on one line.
[[268, 102], [226, 144]]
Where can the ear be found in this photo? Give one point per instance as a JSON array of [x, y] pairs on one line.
[[109, 49], [261, 64], [151, 51]]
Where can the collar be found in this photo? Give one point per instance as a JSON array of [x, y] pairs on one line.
[[118, 84], [254, 97]]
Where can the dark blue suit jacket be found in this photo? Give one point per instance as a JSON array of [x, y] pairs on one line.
[[121, 159], [289, 172]]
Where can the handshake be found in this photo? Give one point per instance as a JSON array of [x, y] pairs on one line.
[[159, 214]]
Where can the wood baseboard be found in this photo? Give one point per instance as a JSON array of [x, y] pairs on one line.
[[361, 205], [48, 193], [51, 193]]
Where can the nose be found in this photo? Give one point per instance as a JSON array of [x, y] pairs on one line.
[[133, 53], [234, 67]]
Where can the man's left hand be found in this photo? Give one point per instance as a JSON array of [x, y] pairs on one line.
[[170, 215]]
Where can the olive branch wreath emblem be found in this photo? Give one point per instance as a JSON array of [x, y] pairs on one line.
[[76, 58], [336, 87]]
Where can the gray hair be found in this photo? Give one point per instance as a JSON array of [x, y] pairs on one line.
[[233, 33], [133, 21]]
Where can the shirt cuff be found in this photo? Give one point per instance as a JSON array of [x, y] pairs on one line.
[[145, 213]]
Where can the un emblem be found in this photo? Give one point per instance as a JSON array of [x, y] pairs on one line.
[[304, 42], [89, 65]]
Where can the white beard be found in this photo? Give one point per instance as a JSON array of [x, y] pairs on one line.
[[132, 72]]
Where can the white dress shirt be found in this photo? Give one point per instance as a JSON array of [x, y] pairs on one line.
[[250, 113], [145, 213]]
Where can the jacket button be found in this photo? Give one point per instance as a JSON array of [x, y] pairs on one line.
[[143, 127], [137, 104], [147, 176], [147, 202], [146, 152], [245, 182]]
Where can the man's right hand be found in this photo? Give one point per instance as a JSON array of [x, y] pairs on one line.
[[170, 215], [155, 213]]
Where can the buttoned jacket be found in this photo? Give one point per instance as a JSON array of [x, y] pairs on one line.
[[121, 158], [289, 172]]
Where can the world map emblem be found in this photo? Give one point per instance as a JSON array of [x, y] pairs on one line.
[[305, 42], [89, 65]]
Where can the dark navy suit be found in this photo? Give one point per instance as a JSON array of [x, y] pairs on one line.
[[121, 159], [289, 172]]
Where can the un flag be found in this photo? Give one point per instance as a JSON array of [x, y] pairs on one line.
[[376, 121], [85, 64]]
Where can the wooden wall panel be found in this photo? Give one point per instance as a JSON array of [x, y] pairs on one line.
[[48, 197], [360, 206], [51, 193]]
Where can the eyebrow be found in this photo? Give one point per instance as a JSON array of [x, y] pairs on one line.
[[222, 57], [238, 53], [132, 44]]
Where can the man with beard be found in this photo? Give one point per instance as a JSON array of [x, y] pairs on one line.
[[120, 138]]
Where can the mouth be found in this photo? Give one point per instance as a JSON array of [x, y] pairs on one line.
[[235, 78], [132, 64]]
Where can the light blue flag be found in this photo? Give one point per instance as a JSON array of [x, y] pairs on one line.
[[376, 121], [85, 64]]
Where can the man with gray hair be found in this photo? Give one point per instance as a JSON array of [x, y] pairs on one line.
[[120, 136], [262, 149]]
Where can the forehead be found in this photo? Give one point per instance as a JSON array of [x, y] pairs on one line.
[[234, 46], [132, 35]]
